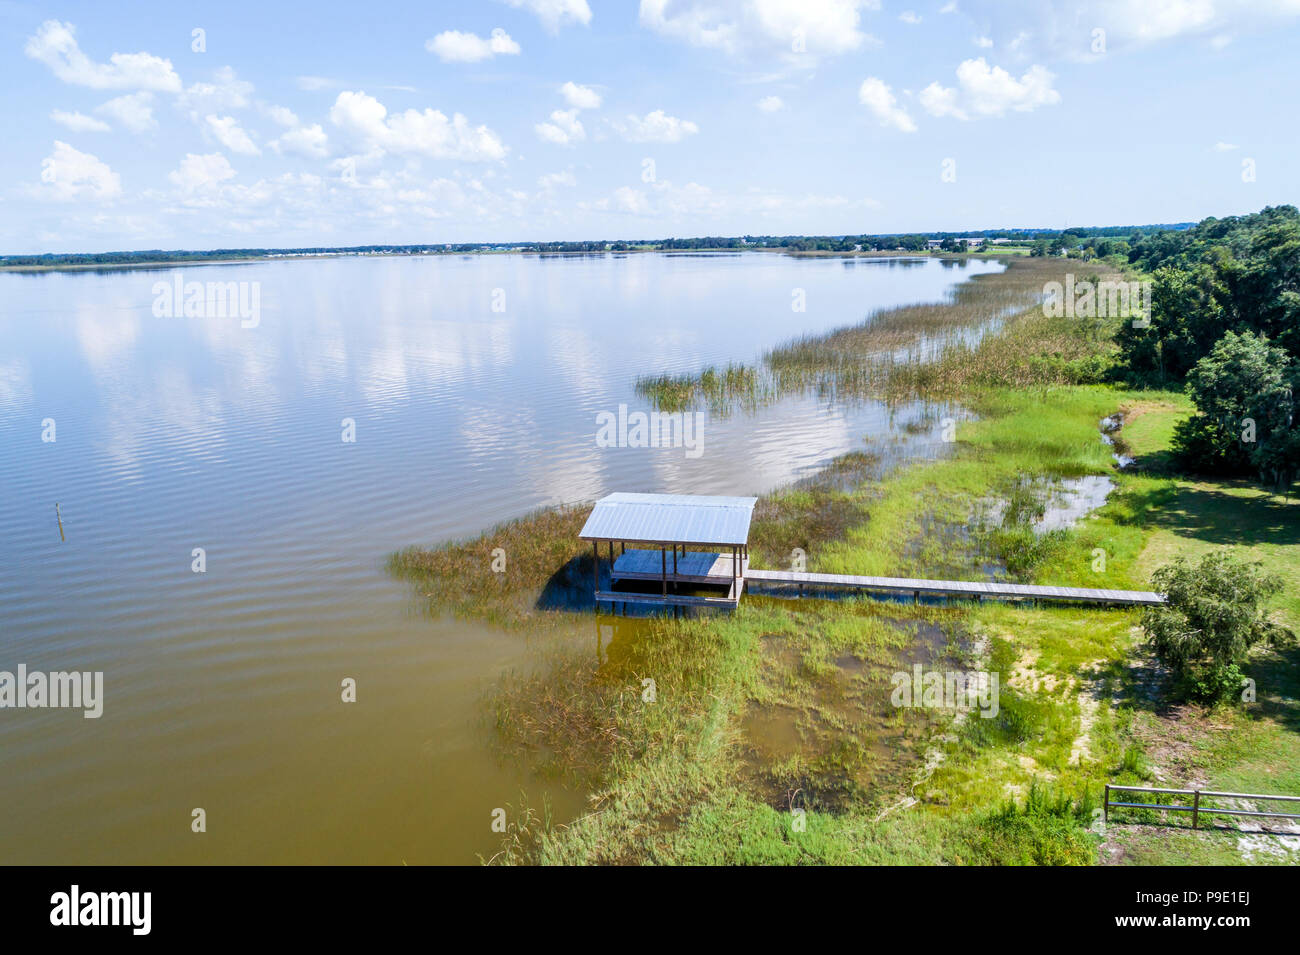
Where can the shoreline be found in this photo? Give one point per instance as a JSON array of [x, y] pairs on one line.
[[252, 260], [780, 706]]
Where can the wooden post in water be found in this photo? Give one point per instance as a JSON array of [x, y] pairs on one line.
[[58, 514]]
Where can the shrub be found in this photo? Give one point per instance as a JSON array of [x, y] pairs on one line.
[[1213, 615]]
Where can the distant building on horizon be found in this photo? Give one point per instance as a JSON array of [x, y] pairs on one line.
[[971, 242]]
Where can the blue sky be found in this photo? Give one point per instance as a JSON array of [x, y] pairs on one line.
[[344, 123]]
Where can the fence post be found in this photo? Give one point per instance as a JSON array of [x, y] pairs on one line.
[[1105, 806], [1196, 808]]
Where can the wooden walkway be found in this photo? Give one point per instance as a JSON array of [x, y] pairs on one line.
[[956, 588]]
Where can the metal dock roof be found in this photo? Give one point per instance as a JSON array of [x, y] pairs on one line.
[[671, 519]]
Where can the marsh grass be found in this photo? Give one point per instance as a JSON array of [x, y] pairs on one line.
[[542, 553], [988, 332], [813, 511], [721, 390], [525, 827], [583, 717]]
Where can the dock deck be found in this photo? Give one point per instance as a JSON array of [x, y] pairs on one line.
[[957, 588], [696, 567]]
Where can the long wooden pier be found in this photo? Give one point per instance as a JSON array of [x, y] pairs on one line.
[[916, 588]]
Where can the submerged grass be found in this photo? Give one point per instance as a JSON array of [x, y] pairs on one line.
[[506, 575]]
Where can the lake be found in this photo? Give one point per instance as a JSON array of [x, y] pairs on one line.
[[469, 388]]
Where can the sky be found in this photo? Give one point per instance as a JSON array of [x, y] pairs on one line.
[[162, 125]]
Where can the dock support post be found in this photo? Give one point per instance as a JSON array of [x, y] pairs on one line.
[[663, 561], [595, 568]]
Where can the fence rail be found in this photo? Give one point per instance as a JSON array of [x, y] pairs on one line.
[[1196, 809]]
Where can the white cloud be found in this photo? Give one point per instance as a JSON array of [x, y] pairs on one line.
[[1157, 19], [55, 45], [452, 46], [989, 91], [908, 16], [313, 83], [79, 122], [551, 180], [281, 115], [70, 174], [693, 202], [230, 134], [199, 173], [580, 97], [1064, 27], [555, 13], [428, 133], [225, 93], [656, 127], [983, 42], [134, 111], [310, 142], [633, 201], [1223, 147], [821, 27], [770, 104], [564, 129], [879, 99]]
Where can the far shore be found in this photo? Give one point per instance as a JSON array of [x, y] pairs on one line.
[[249, 260]]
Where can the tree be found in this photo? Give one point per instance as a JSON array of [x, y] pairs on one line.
[[1244, 391], [1241, 273], [1213, 615]]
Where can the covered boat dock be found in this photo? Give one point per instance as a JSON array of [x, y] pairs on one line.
[[695, 547]]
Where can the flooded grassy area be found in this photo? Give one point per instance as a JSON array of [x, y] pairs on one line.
[[769, 735]]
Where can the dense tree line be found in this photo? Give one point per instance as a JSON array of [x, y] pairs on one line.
[[1225, 324]]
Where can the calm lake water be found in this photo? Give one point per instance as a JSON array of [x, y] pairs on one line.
[[222, 689]]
